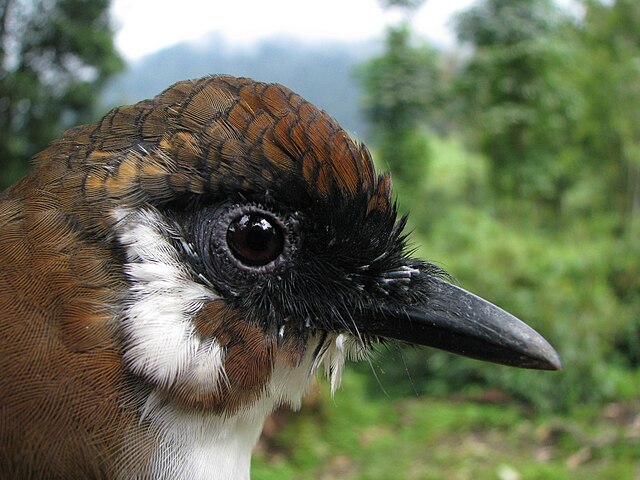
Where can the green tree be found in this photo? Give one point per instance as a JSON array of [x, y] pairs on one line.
[[55, 55], [399, 87], [520, 106], [609, 78]]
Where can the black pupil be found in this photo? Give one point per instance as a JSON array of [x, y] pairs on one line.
[[255, 239]]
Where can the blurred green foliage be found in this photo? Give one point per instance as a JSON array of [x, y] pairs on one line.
[[399, 91], [359, 436], [519, 105], [531, 198], [55, 56]]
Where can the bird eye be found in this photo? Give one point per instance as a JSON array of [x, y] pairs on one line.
[[255, 239]]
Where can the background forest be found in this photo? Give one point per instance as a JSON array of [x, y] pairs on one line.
[[517, 156]]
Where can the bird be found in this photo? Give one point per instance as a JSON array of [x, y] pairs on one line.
[[174, 272]]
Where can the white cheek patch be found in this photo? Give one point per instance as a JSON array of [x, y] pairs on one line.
[[161, 343]]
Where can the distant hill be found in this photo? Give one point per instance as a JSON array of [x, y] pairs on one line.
[[322, 73]]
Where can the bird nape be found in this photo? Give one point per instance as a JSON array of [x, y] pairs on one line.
[[174, 272]]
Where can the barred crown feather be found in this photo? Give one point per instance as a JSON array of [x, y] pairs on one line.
[[213, 136]]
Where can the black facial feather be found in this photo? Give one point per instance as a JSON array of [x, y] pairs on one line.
[[338, 260]]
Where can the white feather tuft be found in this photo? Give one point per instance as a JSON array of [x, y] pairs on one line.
[[161, 343]]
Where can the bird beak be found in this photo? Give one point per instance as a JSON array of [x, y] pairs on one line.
[[452, 319]]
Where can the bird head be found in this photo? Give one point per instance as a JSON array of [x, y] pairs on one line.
[[242, 240]]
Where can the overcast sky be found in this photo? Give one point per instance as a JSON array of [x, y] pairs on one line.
[[144, 26]]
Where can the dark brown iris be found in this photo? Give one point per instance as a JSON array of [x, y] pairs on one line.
[[255, 239]]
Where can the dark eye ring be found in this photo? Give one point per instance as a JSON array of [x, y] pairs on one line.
[[255, 239]]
